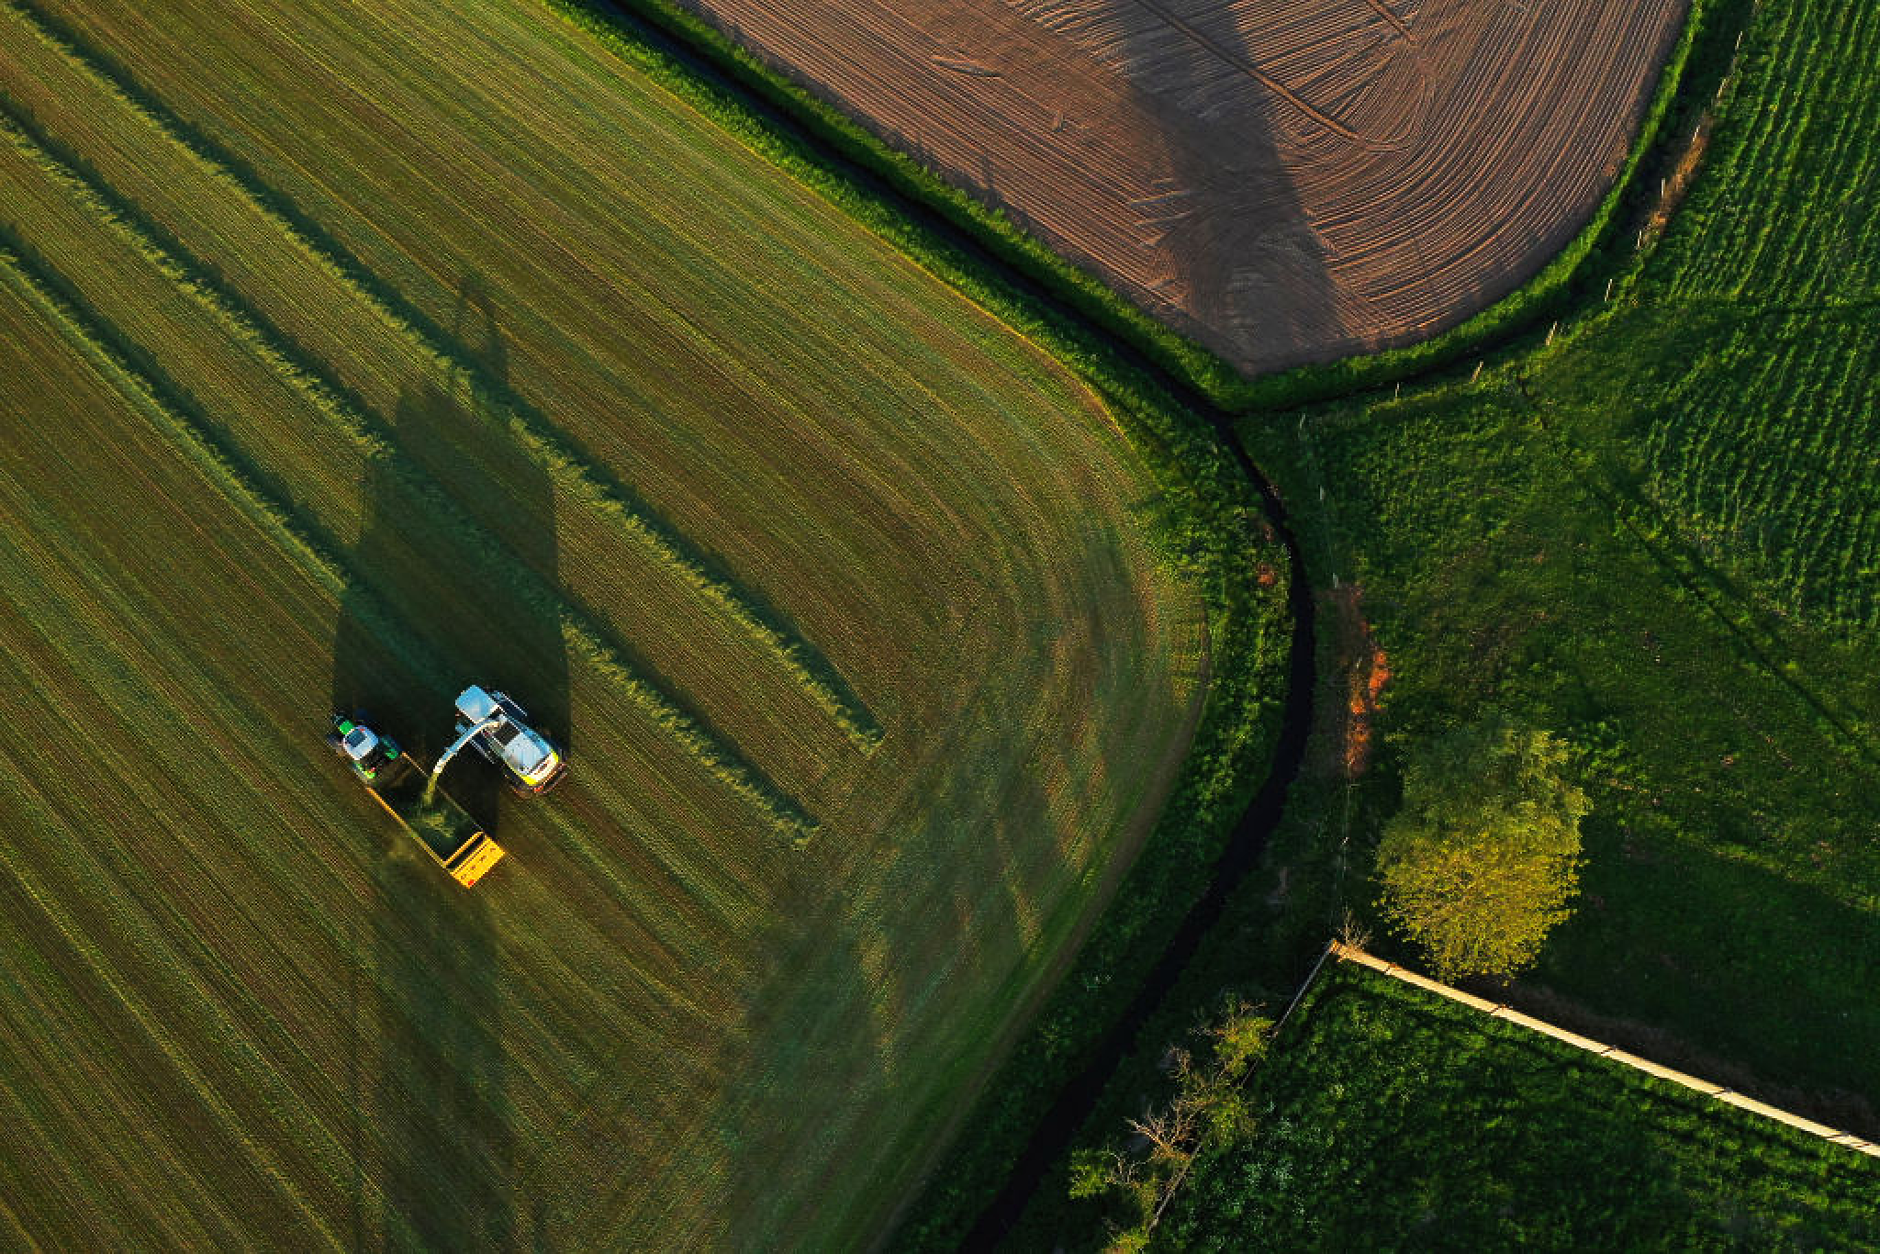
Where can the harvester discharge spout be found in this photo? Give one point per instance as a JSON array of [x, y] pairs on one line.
[[465, 736]]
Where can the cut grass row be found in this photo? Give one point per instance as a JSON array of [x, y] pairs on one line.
[[316, 541], [376, 446], [699, 676], [575, 473], [172, 929], [632, 1030]]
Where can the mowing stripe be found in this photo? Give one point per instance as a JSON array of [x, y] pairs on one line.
[[122, 360], [552, 448], [78, 939], [117, 688], [374, 439]]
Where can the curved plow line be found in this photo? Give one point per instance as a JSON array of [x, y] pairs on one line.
[[553, 449], [221, 458]]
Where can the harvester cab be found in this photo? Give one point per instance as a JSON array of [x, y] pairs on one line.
[[371, 755], [497, 728]]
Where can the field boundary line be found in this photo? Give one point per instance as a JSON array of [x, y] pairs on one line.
[[224, 460], [547, 443], [1494, 1010]]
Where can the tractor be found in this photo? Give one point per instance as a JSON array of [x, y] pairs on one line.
[[369, 754]]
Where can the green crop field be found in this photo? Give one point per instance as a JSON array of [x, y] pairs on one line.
[[1760, 445], [1390, 1118], [1655, 534], [352, 354]]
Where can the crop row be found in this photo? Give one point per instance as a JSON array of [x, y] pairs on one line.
[[1763, 454], [577, 474], [1787, 209], [244, 481], [1760, 450]]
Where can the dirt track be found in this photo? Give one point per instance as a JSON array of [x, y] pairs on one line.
[[1286, 180]]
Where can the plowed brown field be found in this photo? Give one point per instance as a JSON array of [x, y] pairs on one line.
[[1287, 181]]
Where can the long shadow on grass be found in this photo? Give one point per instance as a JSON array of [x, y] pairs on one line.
[[436, 1100]]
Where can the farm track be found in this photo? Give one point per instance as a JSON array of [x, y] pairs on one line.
[[575, 472], [1287, 182], [650, 975]]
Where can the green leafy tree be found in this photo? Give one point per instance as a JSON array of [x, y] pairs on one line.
[[1208, 1111], [1483, 858]]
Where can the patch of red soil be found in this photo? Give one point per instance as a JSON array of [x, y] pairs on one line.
[[1367, 672], [1361, 671]]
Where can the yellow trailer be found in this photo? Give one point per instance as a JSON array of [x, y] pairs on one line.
[[454, 840]]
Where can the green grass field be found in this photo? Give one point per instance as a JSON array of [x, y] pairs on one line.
[[1391, 1118], [1655, 536], [364, 353]]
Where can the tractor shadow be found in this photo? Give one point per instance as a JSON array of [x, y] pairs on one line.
[[452, 582]]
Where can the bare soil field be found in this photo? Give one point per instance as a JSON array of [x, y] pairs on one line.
[[1288, 181]]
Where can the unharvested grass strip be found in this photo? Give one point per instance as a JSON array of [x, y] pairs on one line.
[[576, 471], [250, 486], [373, 438]]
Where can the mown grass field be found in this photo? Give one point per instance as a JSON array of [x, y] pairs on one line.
[[1390, 1118], [353, 355], [1653, 534]]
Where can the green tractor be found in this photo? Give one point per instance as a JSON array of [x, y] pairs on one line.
[[370, 755]]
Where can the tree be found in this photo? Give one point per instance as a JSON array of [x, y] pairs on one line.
[[1483, 858], [1208, 1111]]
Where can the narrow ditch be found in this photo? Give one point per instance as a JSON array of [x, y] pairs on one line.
[[1058, 1128]]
